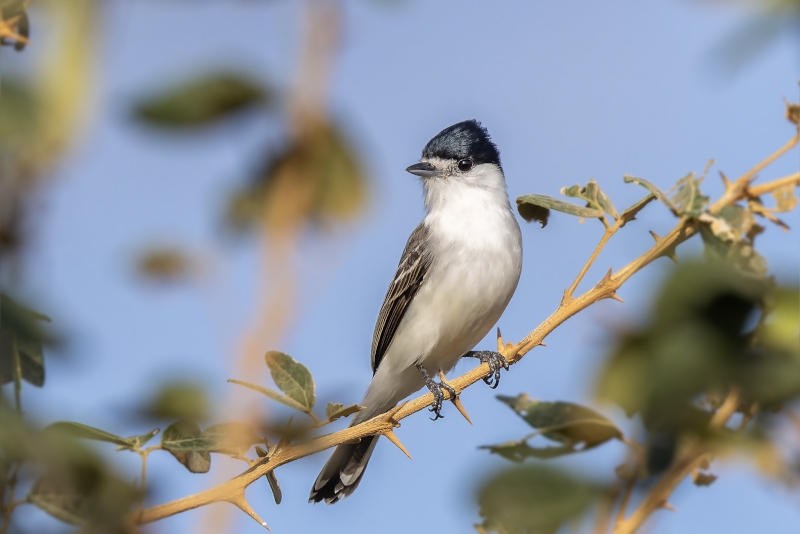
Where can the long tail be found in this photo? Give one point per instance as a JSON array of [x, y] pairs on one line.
[[343, 471]]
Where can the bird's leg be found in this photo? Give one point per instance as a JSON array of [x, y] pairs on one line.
[[495, 360], [438, 396]]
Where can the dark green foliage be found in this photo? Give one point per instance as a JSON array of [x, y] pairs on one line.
[[21, 343], [575, 427], [179, 400], [533, 500], [184, 440], [202, 101], [701, 338]]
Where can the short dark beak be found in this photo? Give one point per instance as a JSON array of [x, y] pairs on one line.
[[423, 169]]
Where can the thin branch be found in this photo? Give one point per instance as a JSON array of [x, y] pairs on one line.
[[12, 504], [692, 457], [385, 423]]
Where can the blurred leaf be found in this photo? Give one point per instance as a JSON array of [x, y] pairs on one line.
[[780, 330], [334, 411], [703, 479], [533, 500], [165, 264], [202, 101], [688, 199], [185, 442], [593, 195], [630, 214], [179, 400], [724, 243], [18, 113], [532, 212], [292, 377], [317, 179], [698, 341], [543, 201], [784, 198], [518, 451], [272, 394], [564, 422], [91, 498], [22, 337], [233, 439], [77, 430], [653, 189]]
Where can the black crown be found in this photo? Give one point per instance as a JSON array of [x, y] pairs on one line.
[[467, 139]]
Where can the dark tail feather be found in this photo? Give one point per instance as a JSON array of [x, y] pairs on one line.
[[343, 471]]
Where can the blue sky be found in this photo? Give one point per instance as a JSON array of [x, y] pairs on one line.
[[569, 91]]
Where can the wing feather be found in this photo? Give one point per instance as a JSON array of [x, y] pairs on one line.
[[410, 275]]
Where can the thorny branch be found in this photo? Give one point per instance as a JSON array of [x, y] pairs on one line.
[[233, 490]]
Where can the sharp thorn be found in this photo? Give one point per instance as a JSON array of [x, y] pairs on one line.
[[463, 411], [616, 297], [607, 277], [240, 502], [669, 507], [499, 340], [542, 344], [391, 436], [727, 183], [673, 257], [655, 236]]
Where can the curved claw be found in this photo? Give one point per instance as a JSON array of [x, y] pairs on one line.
[[495, 361]]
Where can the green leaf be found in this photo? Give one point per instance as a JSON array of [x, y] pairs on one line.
[[165, 264], [21, 340], [543, 201], [784, 198], [630, 214], [334, 411], [723, 242], [293, 378], [317, 179], [185, 442], [564, 422], [518, 451], [202, 101], [593, 195], [77, 430], [86, 497], [688, 200], [179, 400], [653, 189], [533, 500], [142, 439], [272, 394], [233, 439]]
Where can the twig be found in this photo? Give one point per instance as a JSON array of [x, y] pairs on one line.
[[606, 288], [692, 457]]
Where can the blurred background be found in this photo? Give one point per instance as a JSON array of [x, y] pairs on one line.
[[186, 185]]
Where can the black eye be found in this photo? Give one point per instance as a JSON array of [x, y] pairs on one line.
[[464, 165]]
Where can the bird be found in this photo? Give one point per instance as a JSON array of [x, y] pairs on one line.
[[458, 272]]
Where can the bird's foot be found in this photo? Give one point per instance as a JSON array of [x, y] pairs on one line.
[[495, 360], [438, 389]]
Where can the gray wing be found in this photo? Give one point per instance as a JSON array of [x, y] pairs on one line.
[[408, 279]]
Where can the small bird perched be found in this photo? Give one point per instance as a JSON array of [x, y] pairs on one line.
[[458, 271]]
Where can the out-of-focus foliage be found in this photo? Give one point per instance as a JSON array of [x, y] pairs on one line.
[[21, 340], [179, 400], [533, 500], [768, 21], [166, 264], [203, 101], [705, 334], [316, 178]]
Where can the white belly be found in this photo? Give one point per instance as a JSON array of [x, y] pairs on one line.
[[460, 301]]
